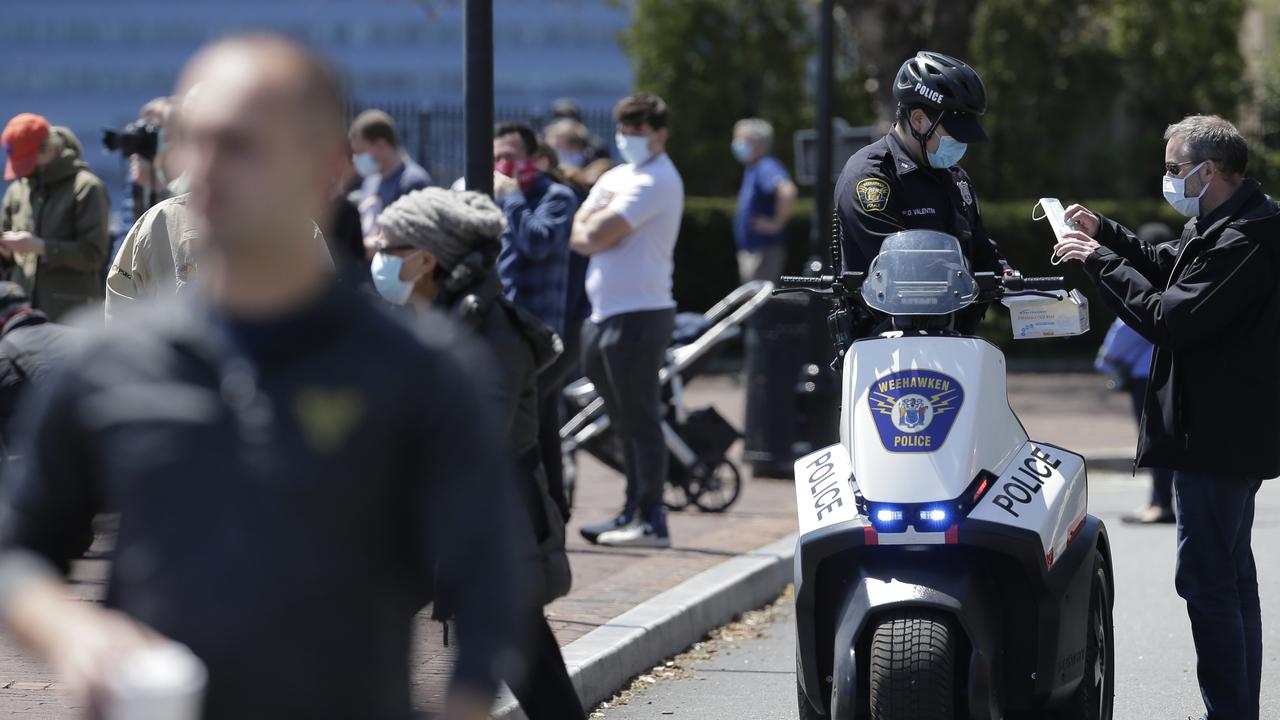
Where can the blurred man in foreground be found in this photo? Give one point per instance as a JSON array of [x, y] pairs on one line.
[[1210, 303], [293, 469]]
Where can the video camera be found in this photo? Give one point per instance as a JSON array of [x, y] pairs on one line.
[[139, 137]]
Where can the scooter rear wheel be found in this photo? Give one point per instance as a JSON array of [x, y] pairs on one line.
[[913, 667]]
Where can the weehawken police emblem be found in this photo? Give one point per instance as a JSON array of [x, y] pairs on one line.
[[915, 409], [873, 193]]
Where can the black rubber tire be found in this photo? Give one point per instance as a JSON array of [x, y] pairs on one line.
[[718, 488], [913, 667], [1094, 699]]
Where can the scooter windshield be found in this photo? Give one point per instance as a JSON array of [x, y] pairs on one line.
[[919, 272]]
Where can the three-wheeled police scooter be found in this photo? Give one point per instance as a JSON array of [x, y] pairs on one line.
[[946, 565]]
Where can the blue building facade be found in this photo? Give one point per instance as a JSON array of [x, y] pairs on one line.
[[89, 64]]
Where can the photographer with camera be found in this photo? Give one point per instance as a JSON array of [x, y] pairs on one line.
[[54, 218], [143, 142]]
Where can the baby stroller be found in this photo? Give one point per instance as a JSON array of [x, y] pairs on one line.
[[699, 473]]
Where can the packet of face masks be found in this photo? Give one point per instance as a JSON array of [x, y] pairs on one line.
[[1065, 314]]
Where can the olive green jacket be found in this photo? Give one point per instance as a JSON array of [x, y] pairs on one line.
[[67, 206]]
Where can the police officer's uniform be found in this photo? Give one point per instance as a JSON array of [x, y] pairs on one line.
[[883, 190]]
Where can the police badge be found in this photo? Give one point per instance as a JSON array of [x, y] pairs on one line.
[[914, 409], [965, 193], [873, 193]]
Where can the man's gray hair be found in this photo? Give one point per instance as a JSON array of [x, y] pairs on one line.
[[446, 224], [1209, 137], [760, 131]]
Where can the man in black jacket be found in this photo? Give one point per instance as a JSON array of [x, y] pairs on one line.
[[30, 346], [296, 474], [1210, 304]]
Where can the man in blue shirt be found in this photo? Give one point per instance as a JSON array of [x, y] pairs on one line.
[[534, 266], [765, 203], [387, 169]]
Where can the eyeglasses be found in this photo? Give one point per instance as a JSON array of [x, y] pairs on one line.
[[1173, 168], [396, 248]]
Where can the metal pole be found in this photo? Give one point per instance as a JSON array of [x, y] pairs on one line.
[[477, 83], [822, 185]]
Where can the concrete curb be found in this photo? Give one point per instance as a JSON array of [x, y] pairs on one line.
[[606, 659]]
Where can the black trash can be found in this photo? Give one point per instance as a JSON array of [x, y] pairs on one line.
[[791, 395]]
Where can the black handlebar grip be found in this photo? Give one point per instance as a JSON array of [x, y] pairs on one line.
[[1044, 283], [796, 281]]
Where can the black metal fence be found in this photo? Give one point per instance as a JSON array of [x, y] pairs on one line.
[[432, 134]]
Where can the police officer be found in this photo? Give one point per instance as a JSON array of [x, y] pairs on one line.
[[909, 178]]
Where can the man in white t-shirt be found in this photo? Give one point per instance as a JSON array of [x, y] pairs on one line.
[[628, 227]]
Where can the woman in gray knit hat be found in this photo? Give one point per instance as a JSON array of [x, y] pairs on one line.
[[437, 254], [426, 234]]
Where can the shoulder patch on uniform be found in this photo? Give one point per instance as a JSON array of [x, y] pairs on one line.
[[873, 193]]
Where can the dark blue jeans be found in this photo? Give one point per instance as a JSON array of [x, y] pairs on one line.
[[1217, 577]]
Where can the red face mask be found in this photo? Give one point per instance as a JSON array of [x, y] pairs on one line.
[[524, 171]]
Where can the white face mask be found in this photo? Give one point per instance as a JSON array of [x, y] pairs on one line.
[[1175, 191], [365, 164], [633, 148], [386, 278]]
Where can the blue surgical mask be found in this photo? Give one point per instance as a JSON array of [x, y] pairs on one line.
[[365, 164], [571, 157], [1175, 192], [633, 148], [386, 278], [741, 150], [949, 152]]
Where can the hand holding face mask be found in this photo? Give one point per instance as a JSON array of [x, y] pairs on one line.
[[1079, 243]]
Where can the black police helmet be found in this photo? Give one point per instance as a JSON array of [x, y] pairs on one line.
[[941, 82], [938, 82]]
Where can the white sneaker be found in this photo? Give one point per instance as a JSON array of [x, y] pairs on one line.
[[637, 533]]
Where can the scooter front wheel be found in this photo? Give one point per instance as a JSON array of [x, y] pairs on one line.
[[913, 667], [1094, 698]]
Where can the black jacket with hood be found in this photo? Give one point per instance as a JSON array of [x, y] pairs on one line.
[[1210, 303], [522, 346]]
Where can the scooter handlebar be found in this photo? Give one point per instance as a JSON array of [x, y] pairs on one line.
[[795, 281], [1018, 284]]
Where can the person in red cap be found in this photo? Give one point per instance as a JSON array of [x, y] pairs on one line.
[[55, 254]]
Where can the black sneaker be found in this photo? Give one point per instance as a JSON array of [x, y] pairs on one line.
[[651, 532], [592, 532]]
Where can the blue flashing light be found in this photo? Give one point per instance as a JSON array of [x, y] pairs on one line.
[[888, 515], [934, 515]]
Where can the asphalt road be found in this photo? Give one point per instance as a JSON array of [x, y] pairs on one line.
[[1155, 660]]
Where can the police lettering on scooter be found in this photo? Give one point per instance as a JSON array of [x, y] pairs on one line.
[[909, 179]]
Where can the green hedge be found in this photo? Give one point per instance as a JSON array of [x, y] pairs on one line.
[[706, 269]]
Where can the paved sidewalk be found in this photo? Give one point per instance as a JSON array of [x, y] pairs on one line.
[[1071, 410]]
